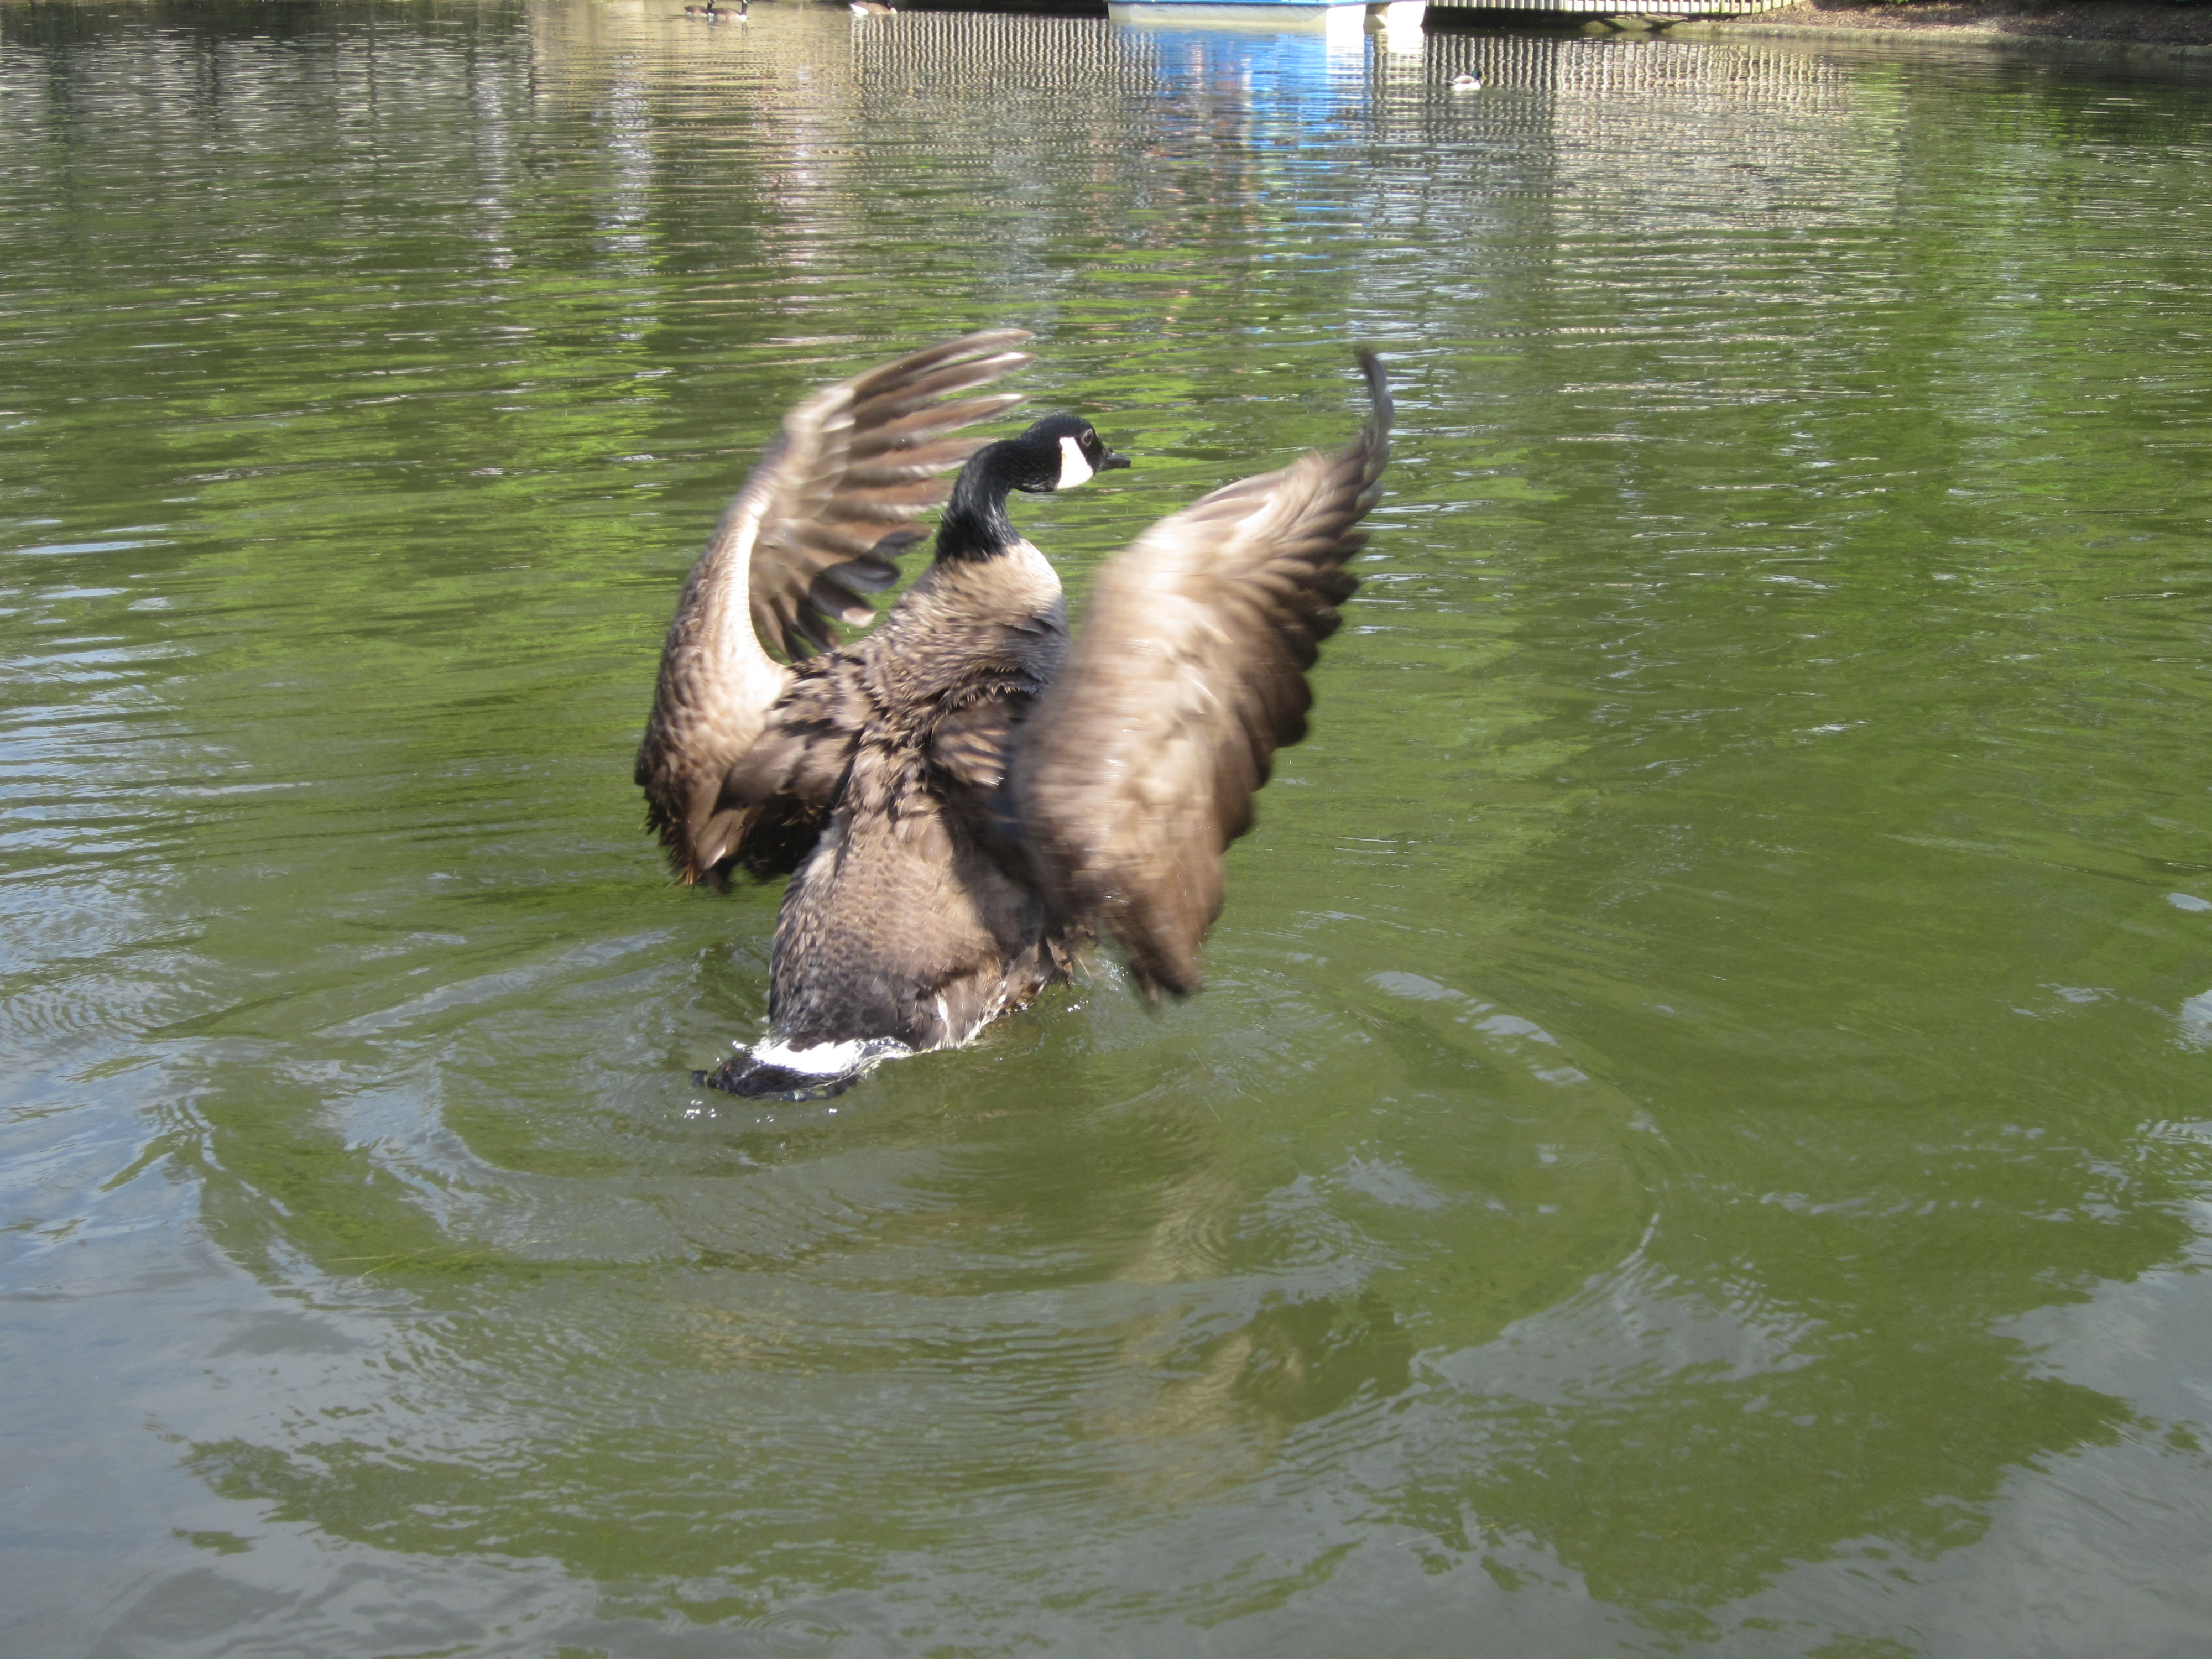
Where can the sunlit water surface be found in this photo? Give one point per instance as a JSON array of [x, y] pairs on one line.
[[1698, 1132]]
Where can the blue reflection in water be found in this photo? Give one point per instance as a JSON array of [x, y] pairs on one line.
[[1289, 73]]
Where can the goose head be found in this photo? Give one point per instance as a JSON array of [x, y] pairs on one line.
[[1059, 452]]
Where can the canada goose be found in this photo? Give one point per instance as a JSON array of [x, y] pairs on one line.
[[968, 796]]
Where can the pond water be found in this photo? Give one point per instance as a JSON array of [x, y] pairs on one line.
[[1699, 1132]]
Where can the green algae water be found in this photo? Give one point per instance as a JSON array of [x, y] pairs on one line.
[[1700, 1134]]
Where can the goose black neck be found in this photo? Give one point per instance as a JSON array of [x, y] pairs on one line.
[[974, 525]]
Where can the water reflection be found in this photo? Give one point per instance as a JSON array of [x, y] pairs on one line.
[[1701, 1015]]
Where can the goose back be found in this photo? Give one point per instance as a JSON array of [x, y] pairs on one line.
[[904, 921]]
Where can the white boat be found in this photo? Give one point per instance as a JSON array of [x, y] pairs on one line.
[[1396, 17]]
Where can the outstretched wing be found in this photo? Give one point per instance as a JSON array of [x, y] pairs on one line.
[[819, 524], [1138, 766], [855, 464]]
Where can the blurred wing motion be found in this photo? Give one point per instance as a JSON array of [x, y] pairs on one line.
[[1139, 765], [818, 525]]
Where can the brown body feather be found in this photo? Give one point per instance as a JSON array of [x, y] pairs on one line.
[[905, 922]]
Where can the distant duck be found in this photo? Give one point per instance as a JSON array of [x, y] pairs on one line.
[[968, 795], [713, 16], [1466, 81], [871, 9]]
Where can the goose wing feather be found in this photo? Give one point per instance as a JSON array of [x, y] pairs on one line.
[[1138, 766], [856, 464], [818, 525]]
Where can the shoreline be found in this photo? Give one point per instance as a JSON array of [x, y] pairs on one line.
[[2129, 27]]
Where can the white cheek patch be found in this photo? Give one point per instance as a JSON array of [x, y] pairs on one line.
[[1073, 469]]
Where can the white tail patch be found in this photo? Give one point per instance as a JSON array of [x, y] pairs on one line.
[[830, 1059], [1074, 468]]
